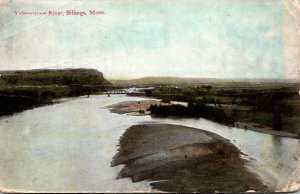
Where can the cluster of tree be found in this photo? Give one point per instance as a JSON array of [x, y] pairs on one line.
[[33, 93], [47, 94], [269, 102], [11, 104], [175, 97], [27, 92], [18, 99], [182, 96], [194, 109]]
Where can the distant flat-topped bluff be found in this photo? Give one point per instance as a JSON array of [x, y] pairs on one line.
[[54, 76]]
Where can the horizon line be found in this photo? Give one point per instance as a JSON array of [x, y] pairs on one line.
[[118, 78]]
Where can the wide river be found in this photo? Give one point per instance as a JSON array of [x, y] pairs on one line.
[[69, 146]]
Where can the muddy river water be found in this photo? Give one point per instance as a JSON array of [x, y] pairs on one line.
[[69, 146]]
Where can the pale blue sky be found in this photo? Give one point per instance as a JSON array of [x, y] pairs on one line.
[[221, 38]]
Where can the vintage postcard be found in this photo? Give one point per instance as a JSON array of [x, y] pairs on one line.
[[149, 96]]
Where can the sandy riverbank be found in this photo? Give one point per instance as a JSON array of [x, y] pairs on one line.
[[133, 107], [183, 159]]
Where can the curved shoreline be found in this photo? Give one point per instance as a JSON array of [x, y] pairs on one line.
[[183, 159], [133, 108]]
